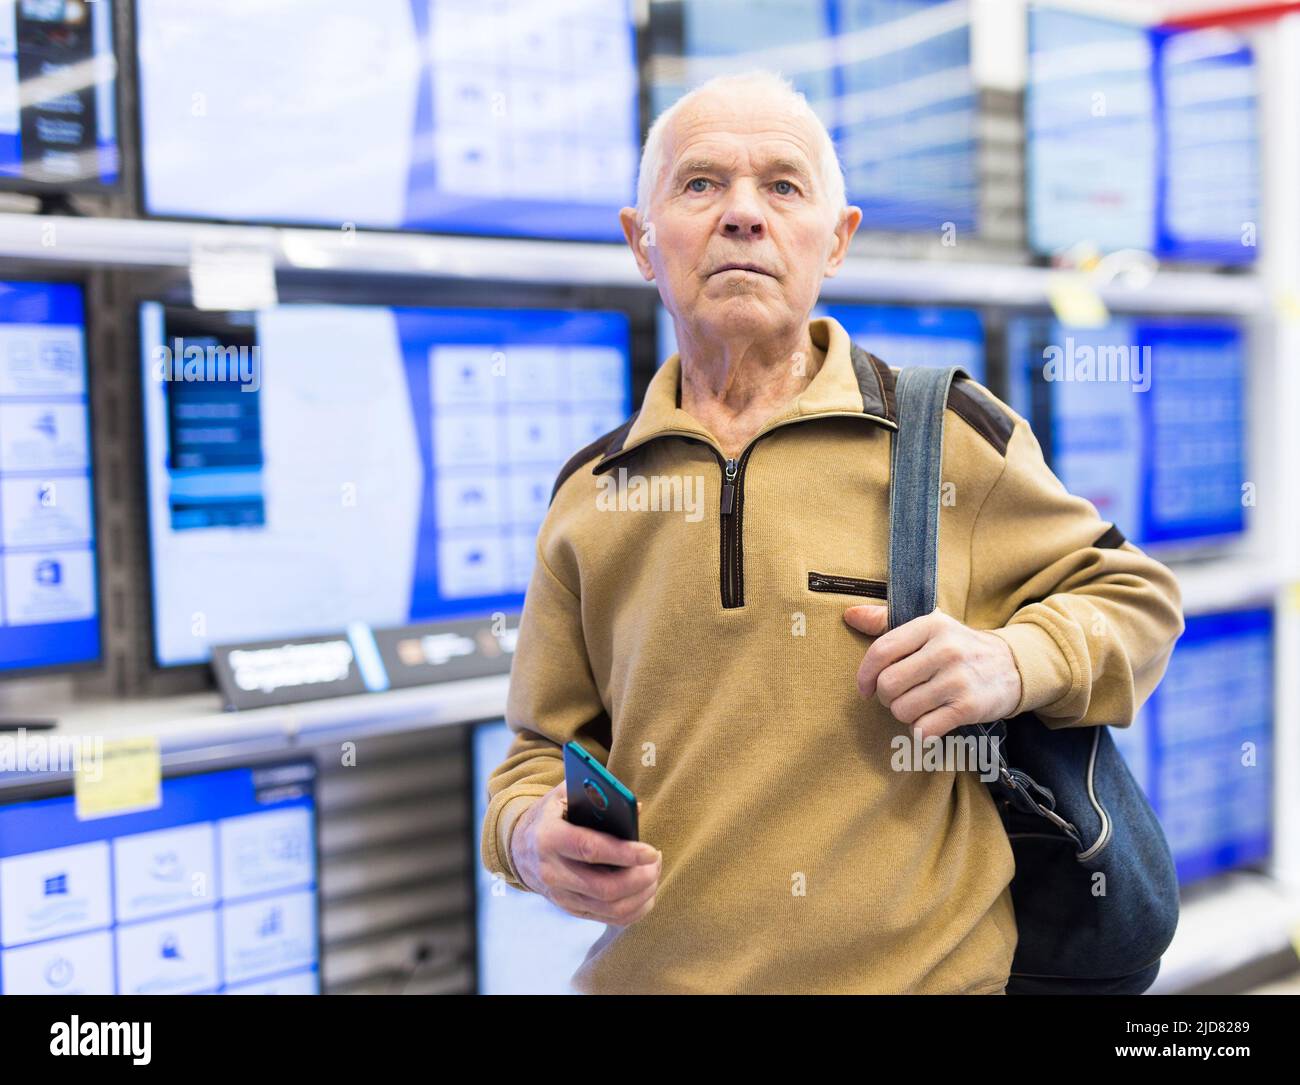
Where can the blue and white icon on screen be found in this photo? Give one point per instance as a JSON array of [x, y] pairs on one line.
[[287, 846], [166, 867], [272, 923], [59, 972], [59, 356]]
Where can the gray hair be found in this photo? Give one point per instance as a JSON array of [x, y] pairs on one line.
[[830, 172]]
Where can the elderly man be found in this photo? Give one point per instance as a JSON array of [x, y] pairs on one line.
[[728, 670]]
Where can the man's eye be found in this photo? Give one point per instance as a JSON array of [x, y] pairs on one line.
[[785, 188], [701, 182]]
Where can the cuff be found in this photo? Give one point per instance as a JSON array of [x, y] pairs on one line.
[[496, 838], [1044, 669]]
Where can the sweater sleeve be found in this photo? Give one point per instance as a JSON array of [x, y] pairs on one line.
[[1090, 619], [553, 699]]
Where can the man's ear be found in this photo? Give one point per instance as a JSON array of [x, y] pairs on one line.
[[638, 240], [849, 221]]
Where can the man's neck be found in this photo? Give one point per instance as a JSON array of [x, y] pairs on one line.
[[734, 388]]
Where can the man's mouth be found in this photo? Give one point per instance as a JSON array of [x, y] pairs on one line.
[[753, 268]]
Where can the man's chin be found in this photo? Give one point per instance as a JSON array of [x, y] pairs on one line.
[[742, 314], [755, 299]]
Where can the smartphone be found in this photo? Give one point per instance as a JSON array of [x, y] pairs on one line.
[[597, 798]]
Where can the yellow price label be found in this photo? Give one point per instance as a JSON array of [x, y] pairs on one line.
[[1075, 301], [124, 776], [1288, 305]]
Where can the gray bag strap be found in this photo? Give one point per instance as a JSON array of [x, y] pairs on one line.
[[914, 490]]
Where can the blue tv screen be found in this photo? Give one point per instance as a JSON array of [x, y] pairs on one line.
[[1090, 133], [58, 94], [214, 891], [1144, 417], [1141, 138], [1202, 747], [1209, 197], [485, 118], [359, 463], [49, 594]]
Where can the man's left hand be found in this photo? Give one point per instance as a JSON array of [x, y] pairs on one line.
[[934, 672]]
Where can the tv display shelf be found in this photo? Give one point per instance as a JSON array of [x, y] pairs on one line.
[[194, 727]]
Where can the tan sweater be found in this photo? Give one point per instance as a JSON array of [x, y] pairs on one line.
[[699, 658]]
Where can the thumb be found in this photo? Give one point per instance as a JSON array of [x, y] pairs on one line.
[[870, 619]]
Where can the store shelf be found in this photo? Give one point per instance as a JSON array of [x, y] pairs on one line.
[[1013, 284], [149, 243], [195, 726], [1241, 919], [1226, 582]]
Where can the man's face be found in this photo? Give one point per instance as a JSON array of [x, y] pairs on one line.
[[739, 232]]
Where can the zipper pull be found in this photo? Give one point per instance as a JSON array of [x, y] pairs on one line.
[[729, 488]]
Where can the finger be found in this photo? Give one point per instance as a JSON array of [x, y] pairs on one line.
[[593, 846], [628, 911], [893, 646], [926, 697], [603, 884], [599, 892], [578, 905], [598, 886], [620, 912], [940, 721], [868, 618], [909, 672]]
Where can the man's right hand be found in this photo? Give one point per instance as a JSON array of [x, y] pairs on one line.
[[560, 861]]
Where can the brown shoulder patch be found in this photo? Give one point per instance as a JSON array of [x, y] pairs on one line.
[[601, 446], [875, 382], [1110, 539], [979, 410]]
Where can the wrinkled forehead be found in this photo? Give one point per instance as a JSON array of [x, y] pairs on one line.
[[737, 132]]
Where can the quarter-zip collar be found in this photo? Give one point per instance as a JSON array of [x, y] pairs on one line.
[[850, 382]]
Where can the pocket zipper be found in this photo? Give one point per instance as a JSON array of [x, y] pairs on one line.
[[847, 585]]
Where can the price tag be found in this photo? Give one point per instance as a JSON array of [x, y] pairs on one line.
[[1075, 302], [236, 275], [125, 777]]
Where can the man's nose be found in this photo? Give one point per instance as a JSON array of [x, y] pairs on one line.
[[744, 216]]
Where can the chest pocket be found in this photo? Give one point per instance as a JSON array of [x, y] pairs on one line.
[[847, 585]]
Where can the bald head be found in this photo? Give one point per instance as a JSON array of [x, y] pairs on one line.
[[754, 101], [741, 214]]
